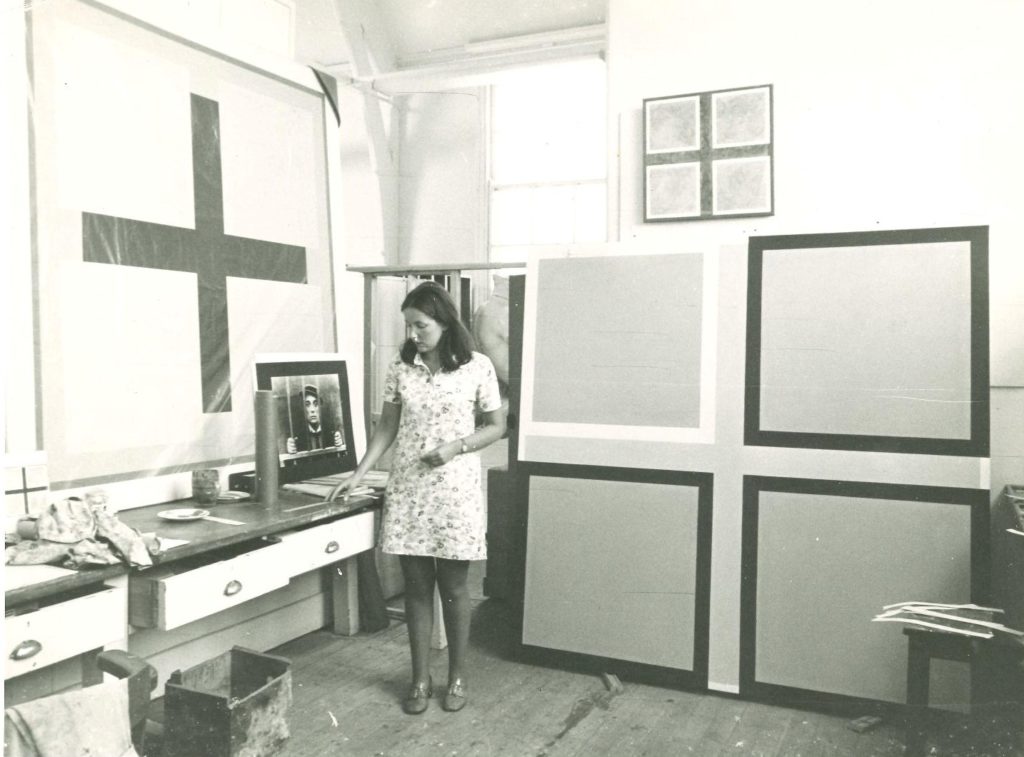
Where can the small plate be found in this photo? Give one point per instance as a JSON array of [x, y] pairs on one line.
[[183, 513]]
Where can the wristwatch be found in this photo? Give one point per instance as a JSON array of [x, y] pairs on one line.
[[465, 447]]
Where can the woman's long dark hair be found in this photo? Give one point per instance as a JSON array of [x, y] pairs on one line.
[[456, 345]]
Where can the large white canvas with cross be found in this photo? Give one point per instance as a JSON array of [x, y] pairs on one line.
[[182, 226]]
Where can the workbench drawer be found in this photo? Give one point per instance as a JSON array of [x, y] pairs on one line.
[[63, 629], [314, 547], [173, 595]]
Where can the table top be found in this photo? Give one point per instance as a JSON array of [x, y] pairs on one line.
[[292, 510], [77, 580]]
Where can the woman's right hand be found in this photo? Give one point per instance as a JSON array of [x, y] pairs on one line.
[[344, 488]]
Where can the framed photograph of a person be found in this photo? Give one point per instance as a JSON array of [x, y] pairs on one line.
[[309, 420], [314, 422]]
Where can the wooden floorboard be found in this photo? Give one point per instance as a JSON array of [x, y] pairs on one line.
[[346, 693]]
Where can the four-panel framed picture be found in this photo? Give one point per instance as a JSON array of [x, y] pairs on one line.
[[708, 155]]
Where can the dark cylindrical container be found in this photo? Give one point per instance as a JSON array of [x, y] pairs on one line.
[[267, 460]]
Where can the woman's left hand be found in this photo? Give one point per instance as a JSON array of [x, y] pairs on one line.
[[441, 455]]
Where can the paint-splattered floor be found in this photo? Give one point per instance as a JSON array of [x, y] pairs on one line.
[[347, 691]]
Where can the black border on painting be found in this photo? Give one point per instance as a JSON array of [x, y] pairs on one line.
[[976, 499], [976, 446], [697, 677]]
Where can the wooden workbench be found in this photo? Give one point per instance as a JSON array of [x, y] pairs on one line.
[[319, 534], [294, 510]]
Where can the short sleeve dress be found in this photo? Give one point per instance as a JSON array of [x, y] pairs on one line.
[[437, 512]]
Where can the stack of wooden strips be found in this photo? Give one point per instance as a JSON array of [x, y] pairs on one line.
[[372, 483], [968, 619]]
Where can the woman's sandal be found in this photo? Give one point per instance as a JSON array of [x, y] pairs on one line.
[[455, 697], [416, 701]]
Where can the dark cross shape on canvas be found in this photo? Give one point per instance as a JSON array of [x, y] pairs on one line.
[[205, 251]]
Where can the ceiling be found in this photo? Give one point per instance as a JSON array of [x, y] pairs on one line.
[[412, 32]]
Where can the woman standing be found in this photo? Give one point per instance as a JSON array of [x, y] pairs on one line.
[[433, 509]]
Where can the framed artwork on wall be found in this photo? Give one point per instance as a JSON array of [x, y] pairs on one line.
[[708, 155]]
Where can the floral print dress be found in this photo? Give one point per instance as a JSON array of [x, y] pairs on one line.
[[437, 512]]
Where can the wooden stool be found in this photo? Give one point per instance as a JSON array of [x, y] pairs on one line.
[[993, 677], [924, 645]]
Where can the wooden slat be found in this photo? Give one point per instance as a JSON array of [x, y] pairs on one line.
[[73, 582], [402, 270], [344, 579]]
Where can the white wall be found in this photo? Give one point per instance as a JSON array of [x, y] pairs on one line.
[[890, 115], [886, 115]]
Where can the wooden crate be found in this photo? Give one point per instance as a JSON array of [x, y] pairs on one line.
[[234, 705]]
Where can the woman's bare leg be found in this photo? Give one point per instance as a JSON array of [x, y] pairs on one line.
[[457, 609], [419, 574]]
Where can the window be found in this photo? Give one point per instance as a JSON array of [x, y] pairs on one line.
[[548, 158]]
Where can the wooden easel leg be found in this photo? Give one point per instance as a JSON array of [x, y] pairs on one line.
[[918, 673], [345, 597], [373, 610]]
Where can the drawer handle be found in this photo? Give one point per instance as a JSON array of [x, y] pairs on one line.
[[233, 587], [26, 649], [332, 546]]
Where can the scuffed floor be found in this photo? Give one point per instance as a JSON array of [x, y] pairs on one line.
[[347, 690]]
